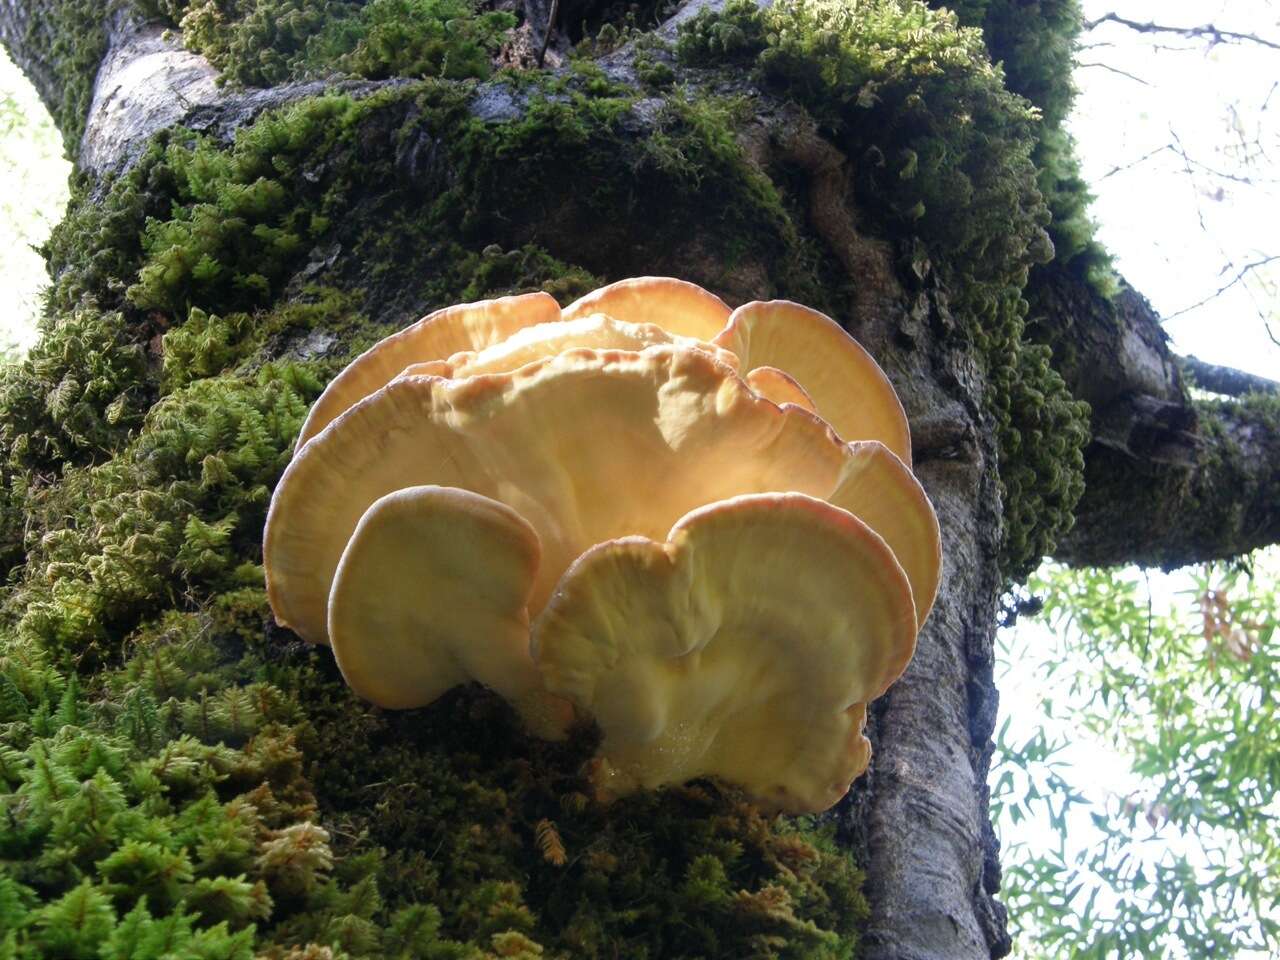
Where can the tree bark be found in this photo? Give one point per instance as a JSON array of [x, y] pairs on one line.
[[918, 821], [1169, 480]]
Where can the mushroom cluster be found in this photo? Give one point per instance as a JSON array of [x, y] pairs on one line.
[[697, 526]]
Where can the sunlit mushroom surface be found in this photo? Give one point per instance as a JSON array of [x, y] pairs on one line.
[[696, 526]]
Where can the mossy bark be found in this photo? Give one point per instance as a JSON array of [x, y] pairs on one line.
[[1170, 480], [229, 248]]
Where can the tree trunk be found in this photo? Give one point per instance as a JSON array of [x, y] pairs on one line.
[[742, 180]]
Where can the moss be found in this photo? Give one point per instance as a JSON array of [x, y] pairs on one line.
[[469, 804], [165, 810], [572, 146], [419, 38], [269, 42], [259, 808], [208, 345], [942, 152], [599, 26], [241, 217], [75, 394], [176, 514], [177, 793], [1035, 43], [65, 41], [99, 241], [475, 276]]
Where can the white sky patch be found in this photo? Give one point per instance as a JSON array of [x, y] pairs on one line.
[[33, 195], [1182, 150]]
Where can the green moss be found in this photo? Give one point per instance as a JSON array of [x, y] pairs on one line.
[[1035, 43], [258, 805], [177, 794], [209, 345], [175, 515], [418, 38], [240, 217], [571, 148], [941, 151], [477, 815], [165, 811], [78, 390], [98, 243], [1226, 467], [66, 40], [268, 42]]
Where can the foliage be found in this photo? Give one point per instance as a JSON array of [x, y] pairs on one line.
[[268, 42], [941, 152], [1186, 862]]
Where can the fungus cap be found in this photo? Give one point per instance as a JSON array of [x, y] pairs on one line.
[[437, 336], [772, 384], [674, 305], [841, 380], [744, 647], [432, 591], [682, 430], [881, 491], [848, 388], [596, 331]]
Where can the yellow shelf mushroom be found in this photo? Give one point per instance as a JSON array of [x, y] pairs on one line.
[[745, 647], [506, 462]]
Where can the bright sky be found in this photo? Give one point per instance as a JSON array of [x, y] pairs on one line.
[[33, 192], [1177, 237]]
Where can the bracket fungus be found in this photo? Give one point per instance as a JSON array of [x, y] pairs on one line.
[[697, 526]]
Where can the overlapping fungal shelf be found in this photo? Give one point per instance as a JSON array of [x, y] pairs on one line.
[[695, 526]]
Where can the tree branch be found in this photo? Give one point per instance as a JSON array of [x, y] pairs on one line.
[[1168, 480], [1142, 508], [1082, 64], [1238, 278], [1226, 380], [1207, 31]]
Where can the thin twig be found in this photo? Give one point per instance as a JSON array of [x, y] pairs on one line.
[[1107, 66], [1142, 159], [1239, 277], [1214, 34], [546, 37]]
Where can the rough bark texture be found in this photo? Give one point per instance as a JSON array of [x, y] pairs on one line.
[[1169, 480], [1225, 380], [918, 821]]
